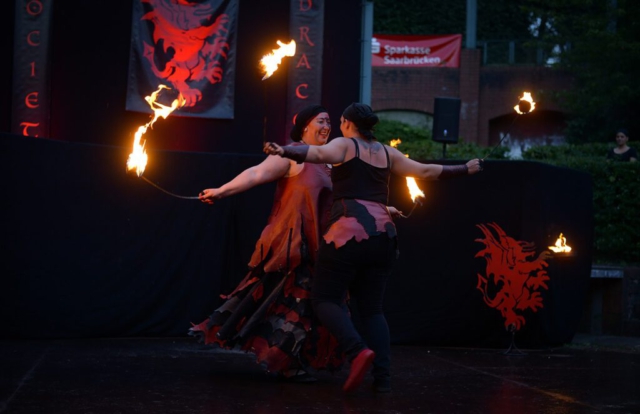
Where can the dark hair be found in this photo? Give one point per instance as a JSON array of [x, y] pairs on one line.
[[303, 118], [363, 117], [623, 130]]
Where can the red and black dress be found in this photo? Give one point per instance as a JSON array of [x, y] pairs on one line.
[[270, 313]]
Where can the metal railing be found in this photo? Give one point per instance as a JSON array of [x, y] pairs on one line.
[[513, 52]]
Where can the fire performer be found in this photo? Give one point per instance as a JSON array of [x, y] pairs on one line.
[[269, 313], [359, 247]]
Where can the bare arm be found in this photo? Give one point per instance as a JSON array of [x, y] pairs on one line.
[[271, 169], [407, 167], [332, 153], [335, 152]]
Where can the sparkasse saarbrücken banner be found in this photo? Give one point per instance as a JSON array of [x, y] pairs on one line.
[[412, 51]]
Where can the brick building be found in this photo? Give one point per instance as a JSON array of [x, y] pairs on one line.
[[488, 94]]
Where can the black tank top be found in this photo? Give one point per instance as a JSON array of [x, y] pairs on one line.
[[357, 179]]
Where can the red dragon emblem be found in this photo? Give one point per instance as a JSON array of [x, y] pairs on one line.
[[512, 275], [189, 44]]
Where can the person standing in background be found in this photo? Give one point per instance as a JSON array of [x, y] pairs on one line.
[[622, 151]]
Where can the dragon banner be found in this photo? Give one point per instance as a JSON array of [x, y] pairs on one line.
[[188, 46]]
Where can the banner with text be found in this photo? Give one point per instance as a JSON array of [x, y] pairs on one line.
[[306, 27], [416, 51], [189, 47], [31, 97]]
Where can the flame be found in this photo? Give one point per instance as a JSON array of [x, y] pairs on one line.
[[526, 97], [395, 142], [561, 245], [271, 61], [414, 191], [138, 158]]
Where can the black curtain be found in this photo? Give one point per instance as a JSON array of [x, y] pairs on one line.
[[92, 252]]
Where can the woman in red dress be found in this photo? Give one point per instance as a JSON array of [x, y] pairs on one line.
[[269, 313]]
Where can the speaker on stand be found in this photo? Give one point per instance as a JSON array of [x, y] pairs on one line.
[[446, 122]]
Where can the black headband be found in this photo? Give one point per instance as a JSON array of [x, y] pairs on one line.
[[303, 118]]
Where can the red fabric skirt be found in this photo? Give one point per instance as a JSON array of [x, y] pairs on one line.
[[270, 315]]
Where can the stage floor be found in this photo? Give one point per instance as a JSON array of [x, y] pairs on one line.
[[178, 375]]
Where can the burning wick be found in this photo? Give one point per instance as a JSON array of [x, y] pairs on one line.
[[271, 61], [137, 161], [525, 105], [417, 196], [561, 245]]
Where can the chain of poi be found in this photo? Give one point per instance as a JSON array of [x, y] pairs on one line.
[[168, 192], [270, 63], [415, 204], [506, 134]]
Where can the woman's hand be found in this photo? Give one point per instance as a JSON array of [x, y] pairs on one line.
[[209, 195], [474, 166], [272, 148], [394, 212]]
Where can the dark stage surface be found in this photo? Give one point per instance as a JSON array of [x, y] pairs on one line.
[[177, 375]]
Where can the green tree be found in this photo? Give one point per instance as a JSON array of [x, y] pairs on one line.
[[595, 41], [497, 20], [598, 43]]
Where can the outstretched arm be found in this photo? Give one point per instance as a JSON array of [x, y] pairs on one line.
[[332, 153], [271, 169], [407, 167]]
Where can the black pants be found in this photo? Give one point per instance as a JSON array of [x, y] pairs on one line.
[[362, 269]]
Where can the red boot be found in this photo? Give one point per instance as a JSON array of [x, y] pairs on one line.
[[359, 367]]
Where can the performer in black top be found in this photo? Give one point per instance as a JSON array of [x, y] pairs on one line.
[[359, 246]]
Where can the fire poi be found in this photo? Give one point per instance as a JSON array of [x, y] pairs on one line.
[[137, 161], [414, 191], [270, 63], [525, 106]]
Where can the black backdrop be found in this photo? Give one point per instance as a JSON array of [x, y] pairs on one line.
[[91, 252]]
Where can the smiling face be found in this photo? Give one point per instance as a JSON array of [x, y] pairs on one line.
[[317, 130]]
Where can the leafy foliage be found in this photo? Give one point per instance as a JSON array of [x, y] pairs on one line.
[[616, 197], [496, 20], [598, 43], [616, 185], [418, 143], [418, 17]]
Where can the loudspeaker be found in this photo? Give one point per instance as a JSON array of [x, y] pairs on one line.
[[446, 120]]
